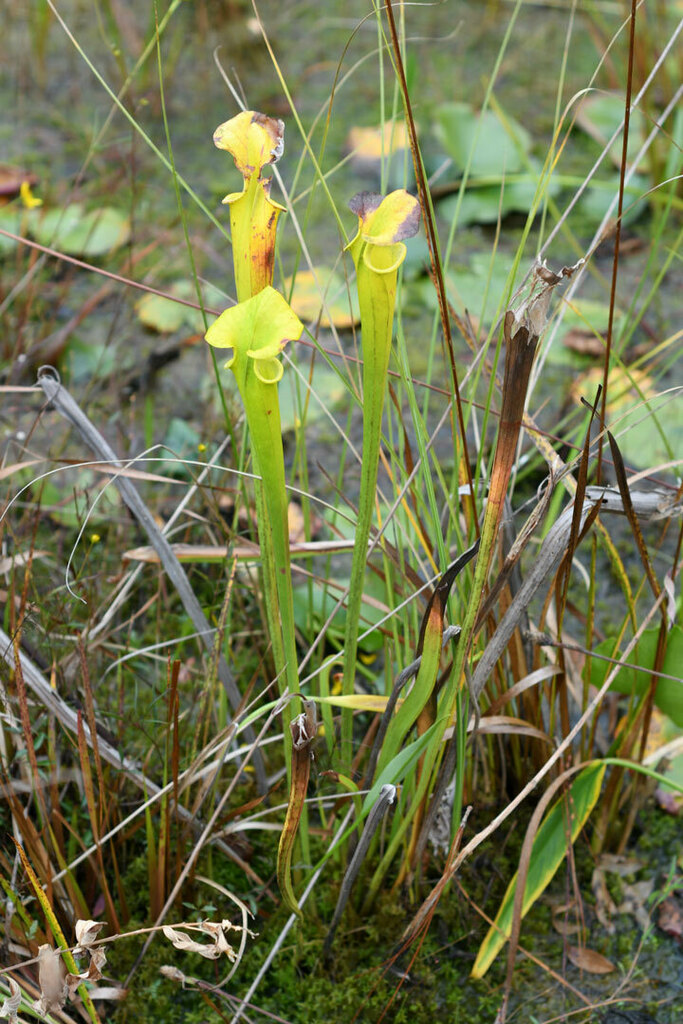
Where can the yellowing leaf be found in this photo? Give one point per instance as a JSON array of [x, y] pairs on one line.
[[622, 387], [323, 297], [359, 701], [375, 143]]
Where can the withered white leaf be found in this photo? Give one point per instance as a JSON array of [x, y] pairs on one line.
[[230, 927], [98, 959], [174, 974], [86, 934], [182, 941], [222, 944], [12, 1003], [93, 973], [52, 981]]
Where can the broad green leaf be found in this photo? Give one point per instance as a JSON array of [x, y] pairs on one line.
[[165, 316], [88, 360], [477, 289], [182, 439], [162, 315], [648, 426], [669, 692], [599, 196], [10, 220], [312, 608], [548, 852], [78, 232], [499, 149], [600, 114], [329, 390], [485, 203]]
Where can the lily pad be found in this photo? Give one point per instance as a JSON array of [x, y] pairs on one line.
[[600, 115], [166, 316], [329, 390], [326, 286], [669, 692], [78, 232], [503, 178], [10, 220], [371, 144], [477, 289], [500, 146], [598, 197], [86, 360], [182, 439], [485, 204], [313, 605]]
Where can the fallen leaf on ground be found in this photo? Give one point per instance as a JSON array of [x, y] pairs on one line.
[[590, 961], [586, 343], [635, 901], [564, 919], [618, 864], [605, 907], [670, 919]]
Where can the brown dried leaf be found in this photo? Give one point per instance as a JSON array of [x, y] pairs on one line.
[[216, 930], [585, 342], [670, 919], [589, 960], [12, 178], [11, 1003], [98, 959]]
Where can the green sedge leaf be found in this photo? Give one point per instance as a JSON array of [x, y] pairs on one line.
[[548, 852]]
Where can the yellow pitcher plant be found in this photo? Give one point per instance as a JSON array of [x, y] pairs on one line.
[[256, 330], [377, 252], [254, 141]]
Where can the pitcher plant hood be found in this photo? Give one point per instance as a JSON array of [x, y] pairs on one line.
[[254, 141]]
